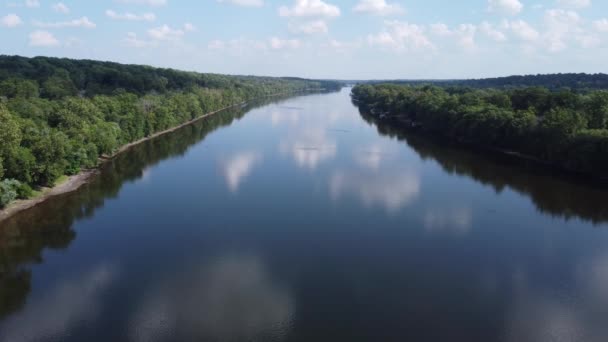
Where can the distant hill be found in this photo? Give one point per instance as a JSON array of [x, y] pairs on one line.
[[89, 77], [550, 81]]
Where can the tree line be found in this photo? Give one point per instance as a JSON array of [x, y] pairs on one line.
[[565, 128], [580, 82], [58, 116]]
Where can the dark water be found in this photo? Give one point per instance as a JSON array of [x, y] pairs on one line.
[[302, 221]]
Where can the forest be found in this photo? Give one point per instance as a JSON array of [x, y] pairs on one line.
[[59, 116], [565, 128], [580, 82]]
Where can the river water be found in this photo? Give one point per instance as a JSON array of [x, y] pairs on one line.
[[301, 219]]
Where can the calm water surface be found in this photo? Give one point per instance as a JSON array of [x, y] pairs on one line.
[[302, 220]]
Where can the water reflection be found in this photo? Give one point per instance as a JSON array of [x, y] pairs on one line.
[[457, 220], [309, 147], [235, 168], [233, 298], [392, 190], [26, 235], [554, 195], [70, 303], [372, 156], [539, 315]]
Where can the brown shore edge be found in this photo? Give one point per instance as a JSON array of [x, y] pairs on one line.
[[76, 181]]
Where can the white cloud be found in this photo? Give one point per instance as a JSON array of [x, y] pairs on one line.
[[43, 38], [280, 44], [10, 20], [509, 7], [574, 3], [244, 3], [133, 41], [83, 22], [60, 7], [32, 3], [238, 47], [523, 30], [601, 25], [188, 27], [166, 33], [378, 7], [130, 16], [310, 8], [440, 29], [153, 3], [494, 34], [561, 25], [312, 27], [401, 36], [466, 35]]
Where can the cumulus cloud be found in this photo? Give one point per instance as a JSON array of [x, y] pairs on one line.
[[490, 31], [133, 41], [130, 16], [311, 27], [60, 7], [508, 7], [522, 30], [83, 22], [310, 8], [279, 44], [244, 3], [32, 3], [574, 3], [43, 39], [153, 3], [401, 36], [601, 25], [10, 20], [561, 25], [378, 7], [167, 33]]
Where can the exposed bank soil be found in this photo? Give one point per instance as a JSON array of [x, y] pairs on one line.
[[76, 181]]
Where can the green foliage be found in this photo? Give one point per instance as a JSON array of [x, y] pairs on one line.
[[8, 191], [58, 116], [564, 127]]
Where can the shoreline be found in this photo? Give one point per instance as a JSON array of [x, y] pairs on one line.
[[514, 156], [74, 182]]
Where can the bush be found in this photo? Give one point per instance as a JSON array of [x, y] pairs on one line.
[[8, 191], [24, 191]]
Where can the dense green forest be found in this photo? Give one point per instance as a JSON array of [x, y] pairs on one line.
[[581, 82], [564, 128], [58, 116]]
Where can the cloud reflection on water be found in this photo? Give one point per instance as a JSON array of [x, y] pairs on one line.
[[237, 167], [309, 147], [232, 298], [392, 190], [66, 306]]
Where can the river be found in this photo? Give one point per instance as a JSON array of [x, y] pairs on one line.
[[301, 219]]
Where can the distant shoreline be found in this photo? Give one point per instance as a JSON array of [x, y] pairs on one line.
[[74, 182]]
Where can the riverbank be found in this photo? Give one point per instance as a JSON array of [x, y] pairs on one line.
[[404, 126], [72, 183]]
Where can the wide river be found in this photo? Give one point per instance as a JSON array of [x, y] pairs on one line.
[[301, 220]]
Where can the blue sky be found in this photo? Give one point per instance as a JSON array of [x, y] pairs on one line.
[[348, 39]]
